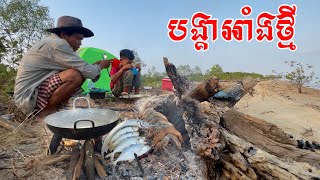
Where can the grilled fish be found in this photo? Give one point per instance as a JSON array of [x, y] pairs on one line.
[[123, 131], [124, 144], [128, 153], [127, 123], [115, 142]]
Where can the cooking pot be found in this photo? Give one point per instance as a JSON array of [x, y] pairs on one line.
[[82, 124]]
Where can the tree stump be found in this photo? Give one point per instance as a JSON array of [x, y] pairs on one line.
[[205, 90]]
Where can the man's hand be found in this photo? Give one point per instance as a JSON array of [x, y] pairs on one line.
[[126, 67], [105, 63], [97, 62], [138, 67]]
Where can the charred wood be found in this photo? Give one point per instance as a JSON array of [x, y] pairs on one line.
[[180, 83]]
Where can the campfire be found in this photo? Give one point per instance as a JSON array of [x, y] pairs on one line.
[[124, 138], [199, 136]]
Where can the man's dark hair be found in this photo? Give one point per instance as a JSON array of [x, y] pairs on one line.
[[127, 53]]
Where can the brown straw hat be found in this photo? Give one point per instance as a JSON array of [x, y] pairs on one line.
[[71, 23]]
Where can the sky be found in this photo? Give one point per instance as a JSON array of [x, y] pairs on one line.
[[141, 25]]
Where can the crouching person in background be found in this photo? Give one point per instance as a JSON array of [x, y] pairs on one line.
[[122, 76]]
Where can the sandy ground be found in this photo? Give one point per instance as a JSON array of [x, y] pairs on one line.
[[280, 103]]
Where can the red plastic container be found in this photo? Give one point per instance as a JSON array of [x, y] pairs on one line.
[[167, 84]]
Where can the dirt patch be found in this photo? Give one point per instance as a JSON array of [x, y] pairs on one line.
[[279, 103]]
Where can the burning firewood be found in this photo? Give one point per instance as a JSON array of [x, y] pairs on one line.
[[218, 153], [73, 161], [100, 169], [78, 167], [180, 83], [89, 159]]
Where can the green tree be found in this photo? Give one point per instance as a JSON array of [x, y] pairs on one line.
[[153, 73], [197, 70], [153, 77], [138, 60], [7, 76], [216, 70], [300, 75], [184, 70], [22, 23]]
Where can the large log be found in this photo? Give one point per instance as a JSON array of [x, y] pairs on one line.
[[204, 133], [267, 137], [265, 165], [224, 155], [205, 90]]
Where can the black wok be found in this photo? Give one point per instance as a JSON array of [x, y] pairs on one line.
[[82, 124]]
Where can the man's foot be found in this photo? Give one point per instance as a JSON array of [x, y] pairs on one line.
[[124, 93]]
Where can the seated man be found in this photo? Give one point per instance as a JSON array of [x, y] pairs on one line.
[[122, 76], [50, 72]]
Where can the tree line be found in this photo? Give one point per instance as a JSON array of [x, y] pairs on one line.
[[22, 23]]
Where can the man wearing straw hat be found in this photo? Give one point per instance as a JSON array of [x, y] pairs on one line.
[[50, 72]]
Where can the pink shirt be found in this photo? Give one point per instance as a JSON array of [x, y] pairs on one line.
[[114, 70]]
